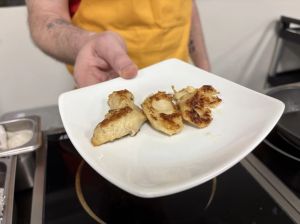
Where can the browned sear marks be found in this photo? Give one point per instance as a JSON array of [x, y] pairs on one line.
[[162, 113], [165, 112], [196, 104], [123, 118], [114, 115]]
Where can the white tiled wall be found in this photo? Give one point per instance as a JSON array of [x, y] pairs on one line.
[[28, 78], [240, 36]]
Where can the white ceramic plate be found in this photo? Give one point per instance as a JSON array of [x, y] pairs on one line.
[[152, 164]]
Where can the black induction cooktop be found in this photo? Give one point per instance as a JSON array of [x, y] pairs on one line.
[[283, 161], [234, 197]]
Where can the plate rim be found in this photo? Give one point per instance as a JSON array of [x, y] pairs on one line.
[[187, 184]]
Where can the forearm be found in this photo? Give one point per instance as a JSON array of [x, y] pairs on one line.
[[53, 32], [197, 48]]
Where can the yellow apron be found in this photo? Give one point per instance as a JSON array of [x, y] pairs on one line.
[[153, 30]]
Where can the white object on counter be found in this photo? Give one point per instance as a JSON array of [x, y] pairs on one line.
[[3, 138], [18, 138]]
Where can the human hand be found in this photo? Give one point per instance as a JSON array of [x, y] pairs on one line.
[[102, 58]]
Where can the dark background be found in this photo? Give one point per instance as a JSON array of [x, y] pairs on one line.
[[11, 2]]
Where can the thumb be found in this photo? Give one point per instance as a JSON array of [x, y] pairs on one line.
[[113, 51], [123, 65]]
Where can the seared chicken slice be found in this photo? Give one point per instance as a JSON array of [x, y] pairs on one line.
[[195, 104], [123, 118], [120, 99], [162, 113], [209, 96]]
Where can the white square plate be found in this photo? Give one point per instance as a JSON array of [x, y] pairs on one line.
[[152, 164]]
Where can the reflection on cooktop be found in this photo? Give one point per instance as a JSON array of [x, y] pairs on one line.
[[285, 168], [238, 197]]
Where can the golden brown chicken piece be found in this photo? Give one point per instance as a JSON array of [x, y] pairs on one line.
[[120, 99], [123, 118], [162, 113], [196, 104]]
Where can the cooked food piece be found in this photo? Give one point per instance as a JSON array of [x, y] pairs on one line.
[[209, 95], [123, 118], [196, 104], [120, 99], [118, 123], [162, 113]]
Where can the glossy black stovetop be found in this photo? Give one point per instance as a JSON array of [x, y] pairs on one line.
[[285, 163], [238, 198]]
